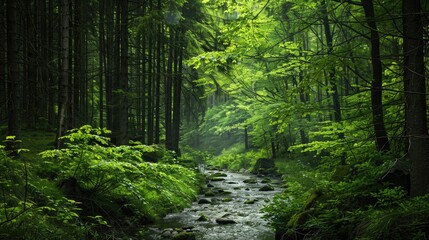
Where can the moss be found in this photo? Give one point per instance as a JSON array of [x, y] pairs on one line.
[[185, 236]]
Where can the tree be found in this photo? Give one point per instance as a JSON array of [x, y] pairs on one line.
[[381, 139], [120, 84], [13, 81], [415, 96], [64, 101]]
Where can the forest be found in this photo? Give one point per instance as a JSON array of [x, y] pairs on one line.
[[116, 114]]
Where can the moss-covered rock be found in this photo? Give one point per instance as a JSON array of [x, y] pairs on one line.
[[250, 180], [203, 218], [250, 201], [204, 201], [266, 188], [185, 236], [209, 193]]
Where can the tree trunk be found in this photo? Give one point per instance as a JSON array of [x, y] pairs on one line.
[[63, 103], [177, 90], [381, 138], [168, 92], [150, 122], [102, 65], [415, 96], [13, 82], [109, 66], [3, 72], [331, 73], [120, 114]]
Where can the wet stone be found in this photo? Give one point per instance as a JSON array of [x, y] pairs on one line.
[[266, 188], [250, 180], [204, 201], [224, 221], [234, 216]]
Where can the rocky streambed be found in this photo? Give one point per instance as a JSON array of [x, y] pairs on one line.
[[229, 209]]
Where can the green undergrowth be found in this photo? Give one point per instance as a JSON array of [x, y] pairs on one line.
[[236, 158], [90, 189], [356, 201]]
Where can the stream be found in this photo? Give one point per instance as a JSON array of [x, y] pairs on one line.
[[230, 209]]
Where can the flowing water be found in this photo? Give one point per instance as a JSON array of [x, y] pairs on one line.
[[235, 202]]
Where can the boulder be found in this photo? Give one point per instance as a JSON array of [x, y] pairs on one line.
[[224, 221], [184, 236], [209, 193], [204, 201], [250, 201], [250, 180], [266, 188], [203, 218], [266, 180], [217, 179]]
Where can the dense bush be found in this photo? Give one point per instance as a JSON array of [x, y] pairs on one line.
[[236, 158], [346, 202], [92, 188]]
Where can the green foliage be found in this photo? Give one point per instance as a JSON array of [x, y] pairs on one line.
[[359, 205], [117, 179], [93, 189], [236, 158], [34, 208]]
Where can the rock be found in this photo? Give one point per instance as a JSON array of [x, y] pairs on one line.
[[167, 233], [203, 218], [217, 175], [204, 201], [232, 182], [184, 236], [226, 192], [224, 221], [250, 180], [266, 188], [209, 185], [250, 201], [188, 228], [266, 180], [217, 179], [247, 189], [227, 200], [209, 193]]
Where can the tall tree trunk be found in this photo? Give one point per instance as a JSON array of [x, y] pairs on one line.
[[30, 76], [150, 113], [52, 93], [13, 82], [177, 89], [331, 73], [3, 72], [120, 114], [415, 96], [63, 103], [144, 77], [168, 92], [102, 65], [110, 61], [77, 70], [381, 138], [158, 75]]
